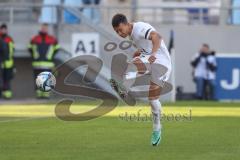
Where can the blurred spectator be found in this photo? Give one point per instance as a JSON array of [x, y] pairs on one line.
[[49, 13], [7, 63], [236, 12], [211, 76], [43, 47], [69, 17], [204, 64], [3, 51]]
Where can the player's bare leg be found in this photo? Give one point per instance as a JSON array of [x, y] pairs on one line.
[[154, 94]]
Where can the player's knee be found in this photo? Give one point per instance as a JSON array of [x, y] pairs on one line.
[[154, 87], [153, 95], [154, 92]]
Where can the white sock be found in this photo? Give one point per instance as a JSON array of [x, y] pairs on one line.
[[156, 113]]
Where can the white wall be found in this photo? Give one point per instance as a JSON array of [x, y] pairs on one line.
[[188, 40]]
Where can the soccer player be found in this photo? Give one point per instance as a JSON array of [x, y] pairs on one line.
[[149, 44]]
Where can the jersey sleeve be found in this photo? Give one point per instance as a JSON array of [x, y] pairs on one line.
[[143, 30]]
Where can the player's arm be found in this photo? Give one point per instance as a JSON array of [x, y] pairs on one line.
[[156, 42], [137, 53]]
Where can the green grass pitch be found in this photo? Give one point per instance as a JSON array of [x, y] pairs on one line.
[[33, 133]]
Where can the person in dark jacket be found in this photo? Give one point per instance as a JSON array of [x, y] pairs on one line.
[[43, 47], [7, 63], [205, 66], [3, 52]]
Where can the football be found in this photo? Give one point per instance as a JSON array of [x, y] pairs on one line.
[[45, 81]]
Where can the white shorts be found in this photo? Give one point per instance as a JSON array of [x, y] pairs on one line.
[[160, 69]]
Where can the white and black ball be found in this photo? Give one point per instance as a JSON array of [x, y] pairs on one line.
[[45, 81]]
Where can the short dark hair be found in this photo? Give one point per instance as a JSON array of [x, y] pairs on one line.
[[206, 45], [119, 18], [44, 24], [3, 26]]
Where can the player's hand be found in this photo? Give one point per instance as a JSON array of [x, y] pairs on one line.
[[136, 54], [140, 65], [151, 59]]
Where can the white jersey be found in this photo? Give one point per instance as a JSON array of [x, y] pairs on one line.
[[201, 69], [140, 37]]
